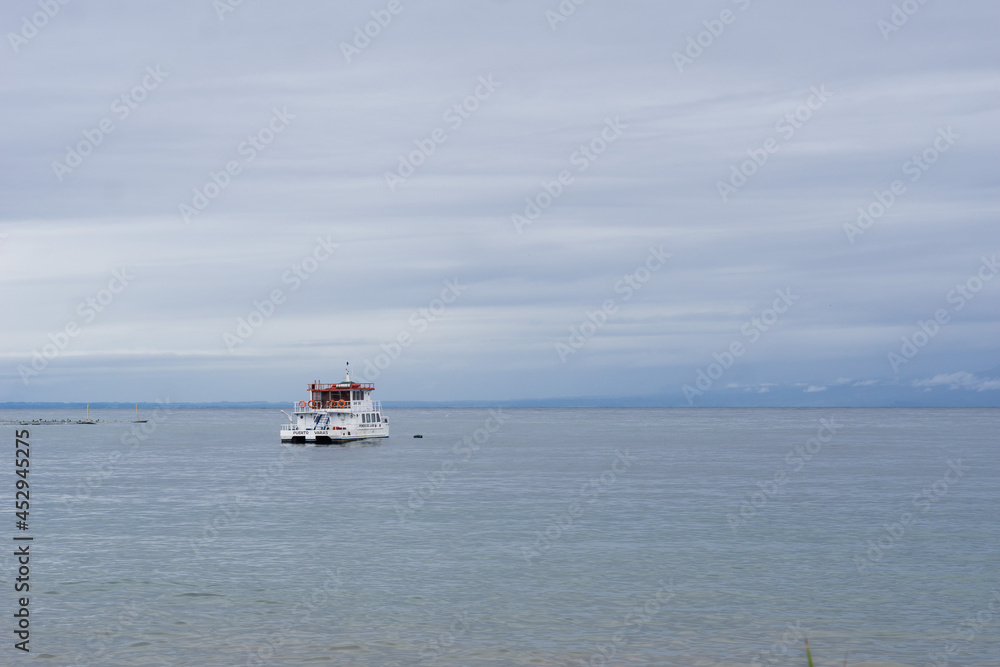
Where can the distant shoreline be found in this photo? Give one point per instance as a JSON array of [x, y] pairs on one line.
[[455, 405]]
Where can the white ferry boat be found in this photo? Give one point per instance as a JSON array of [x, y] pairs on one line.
[[336, 413]]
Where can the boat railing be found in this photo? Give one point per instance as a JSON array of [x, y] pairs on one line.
[[322, 386], [311, 406], [353, 406]]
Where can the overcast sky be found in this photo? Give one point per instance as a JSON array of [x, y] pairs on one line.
[[309, 114]]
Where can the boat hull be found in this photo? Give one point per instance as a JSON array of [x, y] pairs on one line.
[[331, 437]]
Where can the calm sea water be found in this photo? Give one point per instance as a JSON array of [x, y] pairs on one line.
[[564, 536]]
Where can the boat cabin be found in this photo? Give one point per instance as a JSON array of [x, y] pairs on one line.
[[340, 395]]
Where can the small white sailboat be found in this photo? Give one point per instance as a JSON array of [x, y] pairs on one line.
[[87, 420]]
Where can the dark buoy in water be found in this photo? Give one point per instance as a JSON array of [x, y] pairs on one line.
[[418, 436]]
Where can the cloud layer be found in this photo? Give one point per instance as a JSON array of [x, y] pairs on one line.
[[208, 153]]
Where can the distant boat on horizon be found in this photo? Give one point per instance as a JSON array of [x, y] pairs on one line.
[[86, 421], [137, 420]]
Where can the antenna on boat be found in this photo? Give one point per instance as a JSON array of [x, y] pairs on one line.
[[347, 373]]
